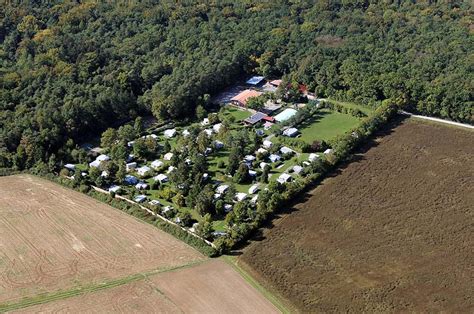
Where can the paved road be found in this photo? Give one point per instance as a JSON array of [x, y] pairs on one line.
[[464, 125]]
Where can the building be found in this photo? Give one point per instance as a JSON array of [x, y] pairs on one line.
[[154, 202], [205, 121], [96, 163], [162, 178], [222, 188], [156, 164], [141, 186], [170, 133], [274, 158], [255, 118], [275, 83], [255, 80], [328, 151], [249, 158], [217, 127], [284, 178], [115, 189], [297, 169], [285, 115], [130, 166], [208, 132], [186, 133], [140, 198], [312, 157], [242, 98], [267, 144], [70, 167], [261, 151], [286, 150], [263, 165], [291, 132], [129, 179], [168, 156], [143, 171], [227, 207], [252, 173], [254, 189], [239, 197]]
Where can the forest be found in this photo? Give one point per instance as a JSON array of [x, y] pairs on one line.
[[69, 69]]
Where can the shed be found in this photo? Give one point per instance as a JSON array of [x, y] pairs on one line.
[[297, 169], [70, 166], [328, 151], [290, 132], [130, 166], [313, 157], [222, 188], [115, 189], [267, 144]]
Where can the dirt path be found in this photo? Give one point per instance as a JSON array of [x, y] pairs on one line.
[[463, 125]]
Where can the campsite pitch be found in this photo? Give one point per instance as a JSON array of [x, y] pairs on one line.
[[391, 233]]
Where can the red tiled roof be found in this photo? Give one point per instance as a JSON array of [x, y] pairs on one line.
[[244, 96]]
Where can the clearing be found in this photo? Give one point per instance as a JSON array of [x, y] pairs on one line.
[[391, 233]]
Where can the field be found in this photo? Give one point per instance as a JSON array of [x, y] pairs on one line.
[[326, 125], [210, 287], [391, 233], [63, 251]]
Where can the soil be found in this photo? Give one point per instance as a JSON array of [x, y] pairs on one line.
[[53, 238], [392, 232]]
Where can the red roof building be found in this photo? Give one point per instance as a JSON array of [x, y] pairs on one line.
[[242, 98]]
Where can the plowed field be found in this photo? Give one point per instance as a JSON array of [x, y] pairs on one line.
[[393, 232]]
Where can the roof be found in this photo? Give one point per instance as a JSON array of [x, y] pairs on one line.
[[160, 177], [240, 196], [328, 151], [222, 188], [243, 97], [156, 163], [254, 188], [284, 177], [168, 156], [274, 157], [290, 132], [285, 114], [267, 143], [255, 118], [170, 132], [255, 80], [286, 150], [275, 82]]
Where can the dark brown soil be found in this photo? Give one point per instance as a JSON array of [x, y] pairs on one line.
[[393, 232]]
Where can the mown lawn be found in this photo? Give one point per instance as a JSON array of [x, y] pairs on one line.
[[364, 109], [326, 125]]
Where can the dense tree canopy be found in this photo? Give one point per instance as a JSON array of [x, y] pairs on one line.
[[69, 68]]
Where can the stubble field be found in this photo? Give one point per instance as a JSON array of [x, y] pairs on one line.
[[393, 232]]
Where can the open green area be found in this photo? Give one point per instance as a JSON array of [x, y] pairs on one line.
[[365, 109], [326, 125]]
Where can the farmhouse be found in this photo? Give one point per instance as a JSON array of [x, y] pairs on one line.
[[254, 188], [129, 179], [290, 132], [242, 98], [156, 164], [255, 80], [170, 133], [168, 156], [284, 178], [143, 171], [162, 178], [285, 114], [140, 198]]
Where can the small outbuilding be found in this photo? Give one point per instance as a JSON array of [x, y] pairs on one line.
[[143, 171], [168, 156], [139, 198], [156, 164], [291, 132], [170, 133], [284, 178]]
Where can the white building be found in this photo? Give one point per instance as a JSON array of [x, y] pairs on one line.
[[290, 132], [162, 178], [274, 158], [261, 151], [186, 133], [140, 198], [297, 169], [254, 188], [249, 158], [284, 178], [143, 171], [263, 165], [115, 189], [328, 151], [171, 169], [130, 166], [70, 166], [170, 133], [313, 157], [222, 188], [168, 156], [240, 196], [286, 150], [156, 164], [205, 121], [141, 186], [217, 127], [267, 144]]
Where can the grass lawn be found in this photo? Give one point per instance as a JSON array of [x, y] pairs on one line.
[[326, 125], [237, 113], [364, 109]]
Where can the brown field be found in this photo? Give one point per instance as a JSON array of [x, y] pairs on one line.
[[210, 287], [393, 232], [54, 238]]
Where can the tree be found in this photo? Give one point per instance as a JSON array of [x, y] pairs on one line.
[[205, 228], [109, 138], [138, 126], [235, 156], [242, 174], [179, 200], [204, 201], [265, 173], [201, 113]]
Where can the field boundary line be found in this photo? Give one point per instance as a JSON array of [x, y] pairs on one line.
[[73, 292], [459, 124], [252, 281]]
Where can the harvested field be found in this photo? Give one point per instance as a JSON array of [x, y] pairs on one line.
[[210, 287], [53, 238], [393, 232]]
